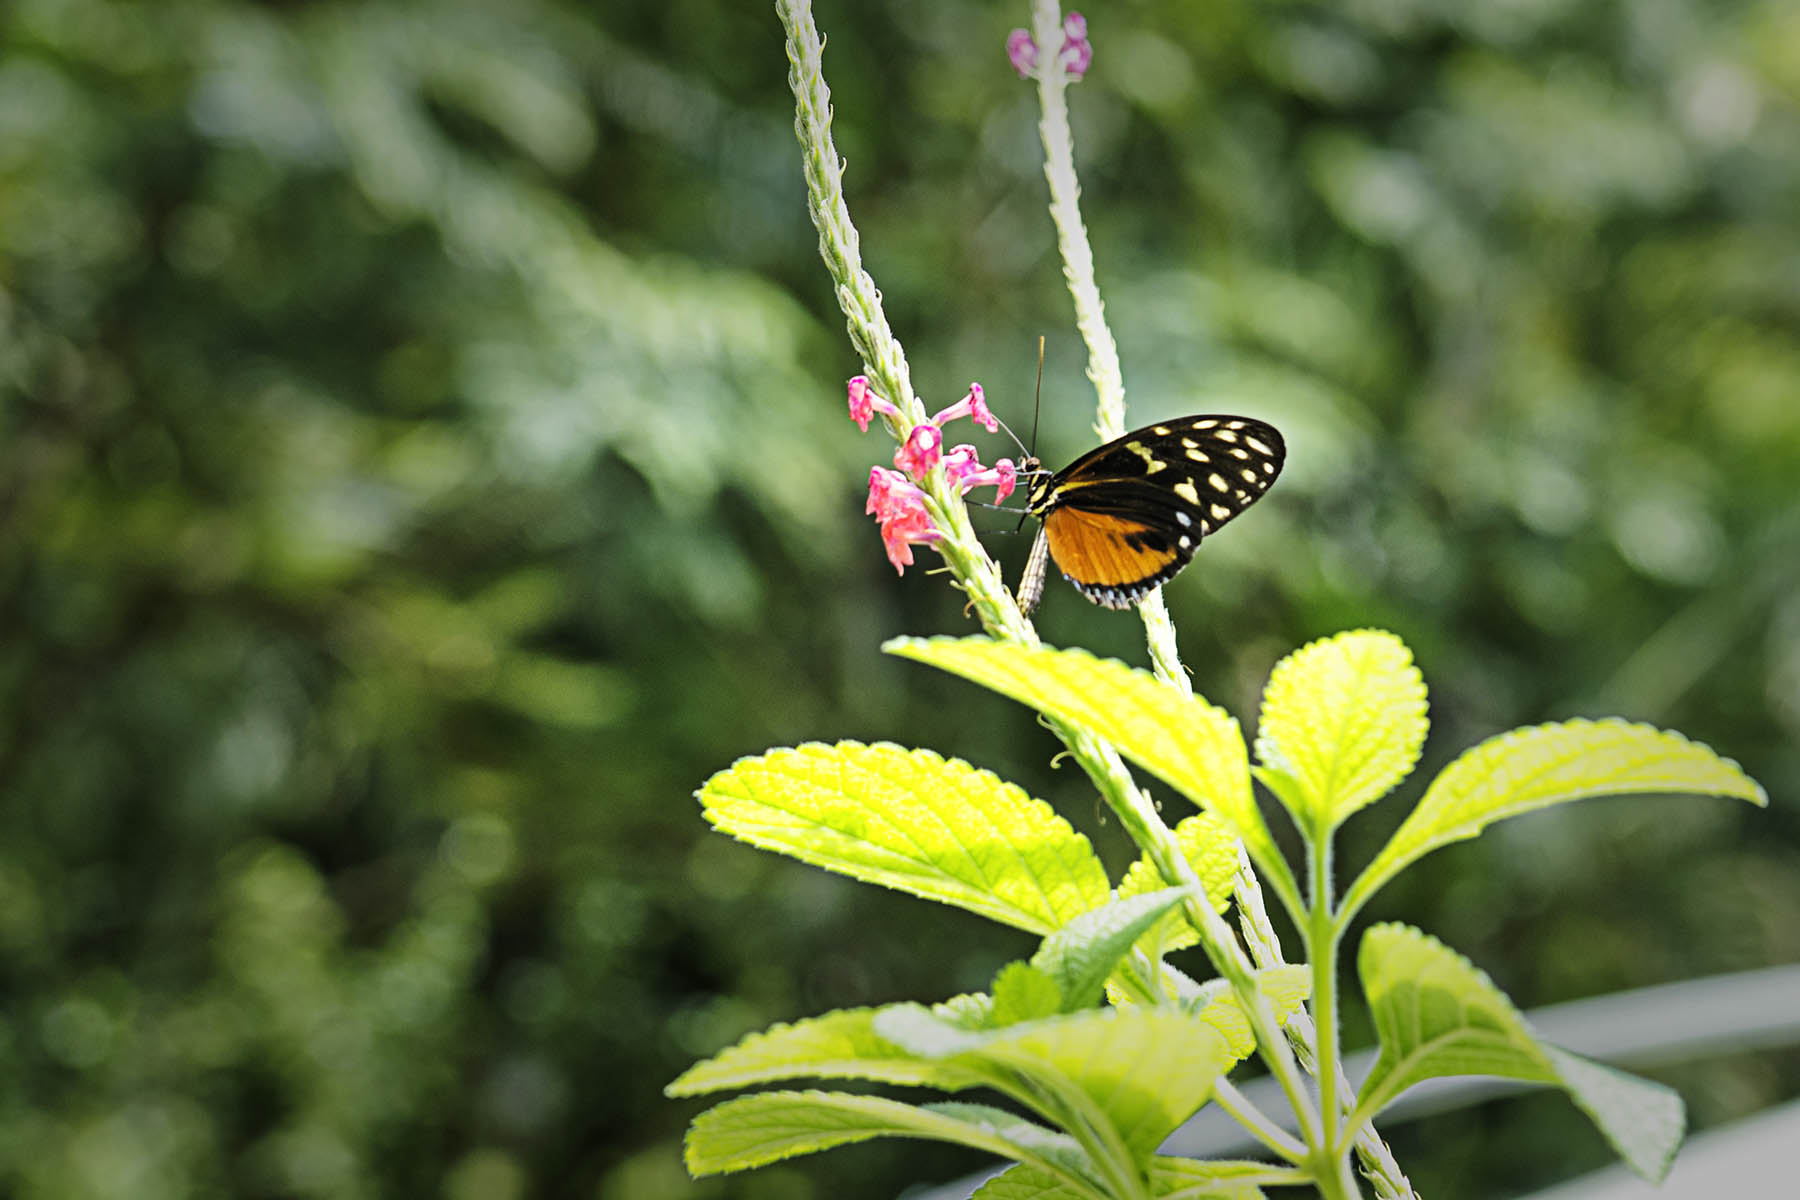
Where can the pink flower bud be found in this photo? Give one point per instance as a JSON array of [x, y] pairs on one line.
[[1021, 52], [865, 403], [1077, 52], [924, 446]]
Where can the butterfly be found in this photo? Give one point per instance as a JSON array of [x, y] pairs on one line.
[[1125, 517]]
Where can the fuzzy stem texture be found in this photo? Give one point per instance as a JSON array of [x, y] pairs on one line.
[[1109, 422], [973, 570]]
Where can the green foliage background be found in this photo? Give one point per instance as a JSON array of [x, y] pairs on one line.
[[423, 462]]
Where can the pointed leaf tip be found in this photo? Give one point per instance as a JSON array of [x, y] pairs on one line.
[[1343, 719], [1191, 745], [912, 820], [1528, 769], [1437, 1014]]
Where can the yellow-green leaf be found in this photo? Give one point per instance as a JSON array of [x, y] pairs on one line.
[[1145, 1069], [752, 1131], [1436, 1014], [1212, 849], [1170, 1179], [1081, 954], [1021, 992], [1343, 718], [1213, 1178], [1191, 745], [1528, 769], [912, 820], [1020, 1182], [1285, 988], [838, 1045]]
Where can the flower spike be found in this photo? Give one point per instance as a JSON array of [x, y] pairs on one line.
[[1075, 53]]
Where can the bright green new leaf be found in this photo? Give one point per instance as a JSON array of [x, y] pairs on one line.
[[1212, 850], [1145, 1069], [1343, 719], [1194, 747], [838, 1045], [1023, 993], [1170, 1179], [1020, 1182], [909, 819], [1081, 954], [1204, 1178], [971, 1010], [1285, 988], [1436, 1014], [753, 1131], [1534, 768]]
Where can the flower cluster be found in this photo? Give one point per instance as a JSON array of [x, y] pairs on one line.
[[895, 497], [1075, 55]]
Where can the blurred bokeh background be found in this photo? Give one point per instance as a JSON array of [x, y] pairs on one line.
[[423, 461]]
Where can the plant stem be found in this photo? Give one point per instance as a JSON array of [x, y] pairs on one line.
[[1071, 234], [1256, 1122], [975, 572], [1322, 946], [1109, 422]]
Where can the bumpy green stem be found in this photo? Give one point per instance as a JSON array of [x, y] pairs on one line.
[[974, 571], [1071, 234], [1104, 370], [884, 361]]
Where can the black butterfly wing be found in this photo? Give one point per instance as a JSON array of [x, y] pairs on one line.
[[1128, 515]]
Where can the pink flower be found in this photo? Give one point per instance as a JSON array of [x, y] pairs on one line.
[[1021, 51], [960, 461], [864, 403], [898, 537], [900, 507], [924, 446], [965, 473], [972, 405], [892, 494], [1002, 476]]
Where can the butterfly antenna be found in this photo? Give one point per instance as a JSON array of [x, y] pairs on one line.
[[1026, 452], [1030, 465], [1037, 400]]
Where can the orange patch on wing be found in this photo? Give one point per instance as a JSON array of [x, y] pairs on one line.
[[1091, 549]]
